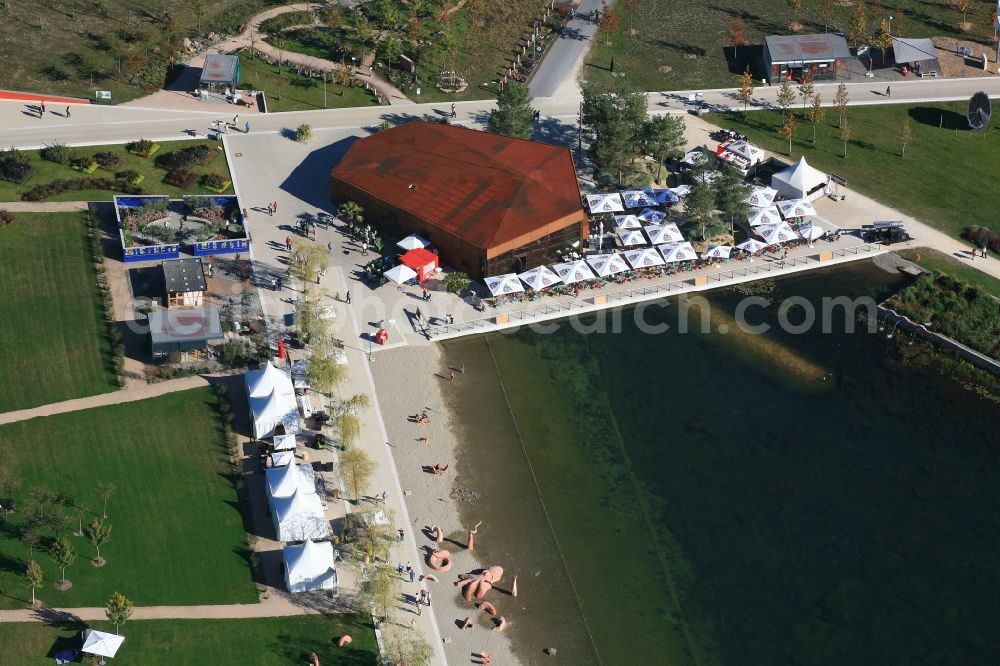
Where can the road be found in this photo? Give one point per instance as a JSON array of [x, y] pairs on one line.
[[561, 64]]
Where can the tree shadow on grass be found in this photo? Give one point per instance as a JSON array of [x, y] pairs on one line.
[[936, 117]]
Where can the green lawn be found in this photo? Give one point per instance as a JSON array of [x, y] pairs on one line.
[[964, 270], [682, 44], [46, 171], [177, 531], [259, 641], [291, 92], [947, 179], [57, 342]]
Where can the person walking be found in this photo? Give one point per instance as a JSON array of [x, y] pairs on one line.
[[348, 298], [888, 91], [412, 575], [288, 243], [451, 375], [236, 119], [329, 247], [274, 208], [67, 112], [247, 128], [42, 105], [401, 533], [453, 110], [428, 597], [385, 497]]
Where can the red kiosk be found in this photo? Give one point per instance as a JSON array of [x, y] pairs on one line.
[[425, 263]]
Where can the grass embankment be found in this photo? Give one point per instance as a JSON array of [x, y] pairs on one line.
[[940, 262], [265, 641], [56, 342], [177, 534], [153, 183], [947, 178], [682, 44], [74, 48], [287, 91]]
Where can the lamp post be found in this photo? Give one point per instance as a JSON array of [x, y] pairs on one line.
[[890, 26]]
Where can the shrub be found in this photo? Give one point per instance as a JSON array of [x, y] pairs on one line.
[[303, 133], [202, 154], [14, 166], [180, 178], [45, 190], [109, 160], [86, 164], [57, 152], [6, 217], [983, 237], [142, 147], [129, 176], [214, 181]]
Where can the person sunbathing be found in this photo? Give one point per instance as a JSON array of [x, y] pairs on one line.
[[439, 469]]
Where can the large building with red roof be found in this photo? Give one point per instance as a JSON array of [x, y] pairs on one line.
[[490, 204]]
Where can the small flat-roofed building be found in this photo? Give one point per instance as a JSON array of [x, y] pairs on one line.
[[184, 283], [788, 57], [183, 330], [220, 72]]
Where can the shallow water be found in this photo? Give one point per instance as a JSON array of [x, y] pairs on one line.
[[720, 500]]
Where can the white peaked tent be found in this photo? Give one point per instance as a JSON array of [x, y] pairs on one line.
[[812, 231], [759, 216], [400, 274], [717, 252], [631, 237], [413, 242], [637, 199], [800, 181], [272, 401], [774, 234], [627, 222], [539, 278], [309, 566], [284, 481], [751, 245], [605, 265], [507, 283], [644, 258], [761, 197], [796, 208], [679, 252], [605, 203], [260, 383], [101, 643], [573, 271], [667, 233], [651, 216], [299, 517]]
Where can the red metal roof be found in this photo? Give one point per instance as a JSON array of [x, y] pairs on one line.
[[485, 188]]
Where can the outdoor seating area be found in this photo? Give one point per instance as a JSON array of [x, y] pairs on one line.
[[157, 227]]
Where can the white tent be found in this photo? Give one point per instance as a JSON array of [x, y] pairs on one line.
[[717, 252], [413, 242], [631, 237], [759, 216], [272, 401], [101, 643], [627, 222], [637, 199], [680, 252], [695, 157], [741, 154], [651, 216], [400, 274], [309, 566], [507, 283], [284, 442], [667, 233], [539, 278], [662, 195], [605, 203], [773, 234], [796, 208], [644, 258], [299, 517], [284, 481], [752, 245], [573, 271], [605, 265], [908, 49], [761, 197], [800, 181], [812, 231]]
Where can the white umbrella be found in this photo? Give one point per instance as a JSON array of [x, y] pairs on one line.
[[539, 278], [627, 222], [774, 234], [413, 242], [605, 265], [651, 216], [631, 237], [662, 196], [400, 274], [605, 203], [500, 285], [761, 197], [812, 231], [682, 191], [680, 252], [760, 216], [637, 199], [752, 245], [796, 208], [717, 252], [643, 258], [666, 233], [573, 271], [101, 643]]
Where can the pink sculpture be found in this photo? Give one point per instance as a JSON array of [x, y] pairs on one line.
[[478, 584], [438, 534], [488, 607], [513, 587], [501, 623], [471, 544]]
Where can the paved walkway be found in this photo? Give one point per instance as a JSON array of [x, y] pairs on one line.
[[44, 206], [271, 607], [559, 73]]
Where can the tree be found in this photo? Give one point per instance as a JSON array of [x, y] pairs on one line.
[[307, 260], [33, 578], [409, 648], [390, 49], [745, 93], [963, 6], [699, 208], [310, 324], [736, 28], [333, 18], [456, 282], [348, 428], [632, 8], [806, 89], [31, 541], [513, 114], [324, 370], [899, 20], [10, 483], [786, 97], [796, 5], [352, 211], [816, 114], [475, 7], [389, 15], [826, 14], [118, 609], [856, 26], [732, 194], [617, 119], [788, 130], [845, 135], [303, 133], [199, 7], [44, 509], [907, 135], [364, 30], [379, 590], [97, 532], [63, 554], [664, 139], [840, 101], [608, 24], [356, 468], [104, 491], [882, 39]]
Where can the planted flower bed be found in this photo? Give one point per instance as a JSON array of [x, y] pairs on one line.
[[14, 166], [201, 154], [143, 148], [59, 153], [87, 165], [215, 183], [137, 218], [46, 190], [181, 178], [109, 160]]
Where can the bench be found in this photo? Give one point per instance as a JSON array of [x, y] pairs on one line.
[[932, 72]]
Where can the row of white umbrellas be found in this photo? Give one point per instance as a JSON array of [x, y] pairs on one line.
[[617, 202]]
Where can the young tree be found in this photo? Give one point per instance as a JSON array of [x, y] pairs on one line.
[[788, 130], [631, 8], [409, 648], [364, 30], [10, 483], [356, 468], [118, 609], [736, 27], [816, 114], [699, 208], [786, 97], [609, 24], [796, 5], [63, 554], [907, 135], [745, 93], [199, 7], [324, 371], [840, 101], [333, 18], [826, 14], [31, 541], [390, 49], [97, 532], [456, 282], [351, 211], [732, 194], [899, 20], [963, 6], [845, 134], [856, 26], [44, 509], [617, 119], [307, 260], [882, 39], [513, 114], [664, 138], [104, 491], [806, 90], [33, 578], [379, 591]]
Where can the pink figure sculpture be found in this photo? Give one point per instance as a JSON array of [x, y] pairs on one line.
[[478, 584], [471, 544], [438, 535], [513, 587]]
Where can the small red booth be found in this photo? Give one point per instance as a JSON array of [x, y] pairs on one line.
[[425, 263]]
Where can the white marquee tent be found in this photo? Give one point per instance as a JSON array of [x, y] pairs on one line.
[[413, 242], [796, 208], [272, 401], [774, 234], [400, 274], [800, 181], [667, 233], [605, 203], [299, 517], [573, 271], [539, 278], [284, 481], [309, 566], [662, 195], [500, 285], [605, 265], [631, 237], [680, 252], [717, 252], [759, 216], [652, 216], [627, 222], [644, 258], [761, 197], [101, 643]]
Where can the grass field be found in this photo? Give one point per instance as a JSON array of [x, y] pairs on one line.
[[947, 178], [288, 91], [58, 346], [75, 47], [177, 532], [942, 263], [259, 641], [46, 171], [682, 44]]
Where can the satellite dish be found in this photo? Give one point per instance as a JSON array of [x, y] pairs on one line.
[[980, 110]]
